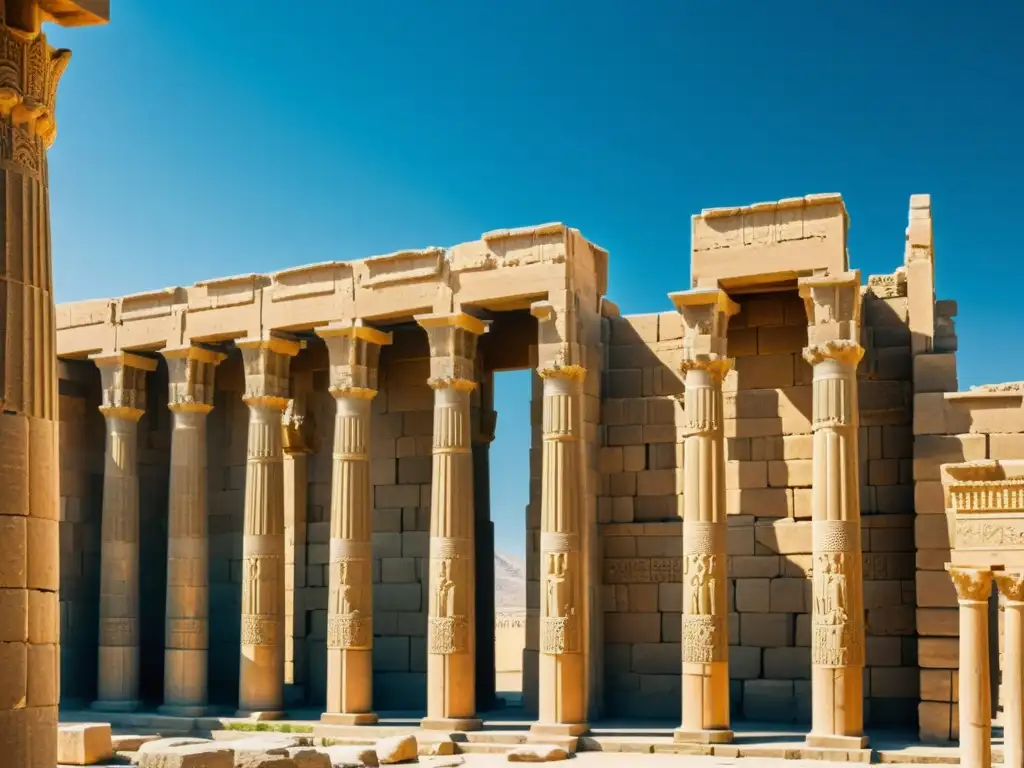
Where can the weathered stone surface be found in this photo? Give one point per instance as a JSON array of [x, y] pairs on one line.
[[84, 744], [537, 753], [130, 742], [160, 745], [309, 757], [345, 756], [196, 755], [396, 749]]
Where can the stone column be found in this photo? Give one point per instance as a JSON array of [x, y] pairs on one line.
[[124, 401], [187, 629], [1011, 584], [484, 422], [563, 658], [973, 586], [261, 675], [705, 633], [451, 636], [30, 70], [354, 351], [837, 615]]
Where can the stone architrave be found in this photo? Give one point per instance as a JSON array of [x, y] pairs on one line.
[[190, 372], [261, 674], [30, 70], [563, 657], [705, 684], [123, 378], [837, 615], [973, 587], [354, 351], [451, 636], [1011, 585]]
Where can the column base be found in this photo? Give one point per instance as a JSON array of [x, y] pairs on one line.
[[451, 724], [564, 730], [116, 706], [260, 714], [184, 710], [346, 718], [830, 741], [703, 736]]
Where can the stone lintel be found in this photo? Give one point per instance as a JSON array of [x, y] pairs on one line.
[[551, 228], [322, 266], [982, 471], [253, 278], [354, 329], [821, 198], [459, 320], [75, 13], [274, 344], [193, 352], [105, 359]]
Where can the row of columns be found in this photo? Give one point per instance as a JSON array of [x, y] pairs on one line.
[[354, 351], [973, 588], [837, 643]]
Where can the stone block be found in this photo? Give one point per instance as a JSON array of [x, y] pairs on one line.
[[782, 338], [938, 622], [744, 662], [760, 502], [766, 630], [740, 540], [931, 451], [1005, 446], [769, 700], [209, 754], [765, 371], [929, 498], [931, 532], [938, 652], [787, 664], [656, 482], [634, 458], [84, 744], [396, 749], [935, 590], [643, 598], [656, 658], [753, 595], [632, 627], [746, 474], [935, 373], [789, 596], [537, 753], [935, 721], [753, 566], [610, 459], [672, 627], [936, 685], [792, 473], [784, 537]]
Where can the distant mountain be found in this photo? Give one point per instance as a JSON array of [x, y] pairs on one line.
[[509, 583]]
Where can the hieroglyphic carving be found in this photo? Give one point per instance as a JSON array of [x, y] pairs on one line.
[[119, 632], [559, 624], [837, 621], [187, 633], [1001, 533], [703, 635], [349, 624], [449, 626], [260, 586]]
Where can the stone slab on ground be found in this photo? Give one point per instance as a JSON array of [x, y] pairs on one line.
[[350, 755], [196, 755], [309, 757], [397, 749], [537, 753], [84, 744], [131, 742]]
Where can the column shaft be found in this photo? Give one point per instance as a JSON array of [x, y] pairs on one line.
[[451, 657], [118, 680], [261, 676], [350, 607], [705, 634], [837, 643], [1011, 585], [187, 626], [562, 662], [973, 586]]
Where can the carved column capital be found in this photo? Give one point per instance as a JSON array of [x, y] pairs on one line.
[[705, 314], [1011, 585], [833, 317], [354, 352], [267, 363], [453, 339], [973, 585], [123, 377], [190, 378], [843, 351]]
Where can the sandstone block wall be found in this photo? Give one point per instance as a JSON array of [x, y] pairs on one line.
[[768, 478]]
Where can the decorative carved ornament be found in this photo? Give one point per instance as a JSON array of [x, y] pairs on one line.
[[30, 70], [985, 503]]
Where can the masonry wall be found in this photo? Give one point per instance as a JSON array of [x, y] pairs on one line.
[[768, 478]]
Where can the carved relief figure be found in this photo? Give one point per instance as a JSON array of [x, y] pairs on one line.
[[831, 600], [558, 605], [445, 590], [701, 570]]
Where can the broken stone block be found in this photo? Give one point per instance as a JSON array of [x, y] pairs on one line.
[[264, 760], [161, 745], [397, 749], [130, 742], [347, 756], [537, 753], [84, 744], [199, 754], [309, 757]]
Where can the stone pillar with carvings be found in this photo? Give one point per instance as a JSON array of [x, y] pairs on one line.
[[354, 351], [123, 378], [1011, 585], [705, 685], [187, 631], [261, 674], [562, 661], [451, 636], [30, 70], [837, 614], [973, 586]]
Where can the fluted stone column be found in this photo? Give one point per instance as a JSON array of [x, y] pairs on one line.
[[837, 616], [124, 401], [30, 70], [705, 633], [973, 586], [187, 629], [354, 351], [261, 675], [563, 657], [1011, 585], [451, 636]]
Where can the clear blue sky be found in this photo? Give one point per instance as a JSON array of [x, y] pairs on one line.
[[248, 137]]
